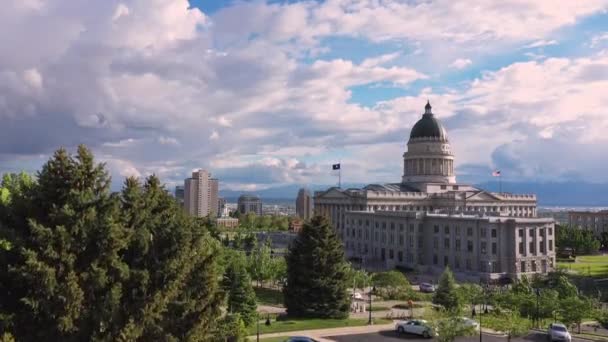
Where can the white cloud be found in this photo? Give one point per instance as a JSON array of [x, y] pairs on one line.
[[115, 73], [597, 39], [540, 43], [33, 78], [168, 141], [121, 143], [461, 63]]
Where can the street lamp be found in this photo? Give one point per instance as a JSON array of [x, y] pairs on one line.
[[537, 291], [371, 292]]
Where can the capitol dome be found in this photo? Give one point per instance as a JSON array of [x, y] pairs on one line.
[[429, 157], [428, 126]]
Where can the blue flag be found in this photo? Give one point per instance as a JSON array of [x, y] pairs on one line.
[[335, 167]]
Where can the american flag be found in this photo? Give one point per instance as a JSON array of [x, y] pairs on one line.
[[496, 173]]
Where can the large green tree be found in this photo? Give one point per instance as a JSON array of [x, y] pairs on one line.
[[260, 262], [237, 284], [392, 285], [86, 264], [574, 309], [317, 273], [580, 240], [446, 294]]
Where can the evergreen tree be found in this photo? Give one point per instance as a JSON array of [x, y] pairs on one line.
[[317, 274], [237, 284], [88, 265], [446, 294]]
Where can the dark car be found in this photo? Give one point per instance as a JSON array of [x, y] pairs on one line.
[[300, 339]]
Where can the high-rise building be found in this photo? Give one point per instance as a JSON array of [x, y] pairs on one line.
[[250, 203], [304, 204], [222, 211], [179, 194], [200, 194]]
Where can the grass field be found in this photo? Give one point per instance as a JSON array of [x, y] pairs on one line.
[[267, 296], [308, 324], [595, 266]]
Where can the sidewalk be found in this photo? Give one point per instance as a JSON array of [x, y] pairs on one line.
[[364, 329]]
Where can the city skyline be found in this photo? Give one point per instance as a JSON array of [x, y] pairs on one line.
[[276, 98]]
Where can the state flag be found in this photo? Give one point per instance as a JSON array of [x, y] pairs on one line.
[[335, 167]]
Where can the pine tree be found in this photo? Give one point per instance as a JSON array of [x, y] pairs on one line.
[[317, 274], [446, 294], [241, 297], [88, 265]]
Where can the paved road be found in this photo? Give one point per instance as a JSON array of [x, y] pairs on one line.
[[392, 336]]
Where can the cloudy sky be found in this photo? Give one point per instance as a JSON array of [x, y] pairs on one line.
[[267, 93]]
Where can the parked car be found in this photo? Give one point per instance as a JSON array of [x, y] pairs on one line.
[[416, 327], [357, 295], [301, 339], [470, 323], [426, 287], [558, 332]]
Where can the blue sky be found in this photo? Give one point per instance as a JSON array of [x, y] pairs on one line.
[[268, 93]]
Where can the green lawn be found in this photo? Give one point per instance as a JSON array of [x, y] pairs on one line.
[[274, 339], [378, 308], [309, 324], [588, 265], [267, 296]]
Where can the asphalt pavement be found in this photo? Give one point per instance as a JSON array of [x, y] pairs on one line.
[[392, 336]]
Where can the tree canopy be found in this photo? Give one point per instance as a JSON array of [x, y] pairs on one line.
[[317, 273], [580, 240], [446, 294], [88, 264]]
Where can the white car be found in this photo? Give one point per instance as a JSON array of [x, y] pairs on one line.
[[427, 288], [558, 332], [416, 327], [470, 323], [357, 295]]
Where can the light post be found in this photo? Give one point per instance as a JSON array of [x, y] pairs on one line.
[[258, 329], [371, 292], [537, 291], [483, 297]]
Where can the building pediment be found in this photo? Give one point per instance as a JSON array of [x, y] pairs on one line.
[[333, 193], [481, 196]]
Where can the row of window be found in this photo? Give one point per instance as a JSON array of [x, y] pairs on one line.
[[532, 232], [532, 247], [482, 231], [483, 265]]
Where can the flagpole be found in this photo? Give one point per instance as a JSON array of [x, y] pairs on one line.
[[340, 176], [500, 183]]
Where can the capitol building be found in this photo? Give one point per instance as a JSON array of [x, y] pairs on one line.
[[429, 221]]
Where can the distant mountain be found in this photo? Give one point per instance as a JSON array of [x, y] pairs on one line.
[[548, 194], [281, 193], [558, 194]]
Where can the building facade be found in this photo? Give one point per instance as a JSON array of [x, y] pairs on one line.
[[227, 222], [179, 194], [201, 194], [595, 221], [304, 205], [429, 196], [249, 203], [222, 210]]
